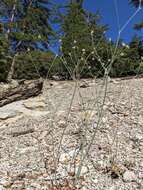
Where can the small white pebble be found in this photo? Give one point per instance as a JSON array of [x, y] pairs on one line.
[[129, 176]]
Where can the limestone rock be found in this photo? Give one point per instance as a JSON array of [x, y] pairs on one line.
[[8, 115], [35, 105]]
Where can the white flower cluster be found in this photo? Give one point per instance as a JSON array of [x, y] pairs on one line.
[[83, 51], [122, 54], [92, 32], [125, 45], [39, 36]]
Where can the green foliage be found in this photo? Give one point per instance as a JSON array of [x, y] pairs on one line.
[[34, 25], [84, 49], [4, 58], [33, 65], [128, 60], [78, 41], [30, 23]]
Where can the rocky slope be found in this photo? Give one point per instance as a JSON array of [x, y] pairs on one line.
[[100, 124]]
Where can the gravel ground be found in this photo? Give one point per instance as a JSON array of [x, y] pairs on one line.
[[102, 130]]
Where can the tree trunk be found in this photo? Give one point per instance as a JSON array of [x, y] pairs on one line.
[[11, 71], [16, 91]]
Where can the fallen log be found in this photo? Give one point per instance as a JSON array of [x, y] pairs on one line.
[[19, 91]]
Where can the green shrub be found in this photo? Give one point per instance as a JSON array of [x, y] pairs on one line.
[[5, 59], [4, 68], [33, 65]]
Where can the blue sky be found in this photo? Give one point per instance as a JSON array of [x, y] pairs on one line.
[[107, 10]]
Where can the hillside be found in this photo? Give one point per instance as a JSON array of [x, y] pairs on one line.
[[31, 131]]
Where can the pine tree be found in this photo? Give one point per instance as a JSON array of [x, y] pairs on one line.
[[136, 45], [28, 22], [5, 58], [77, 27]]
